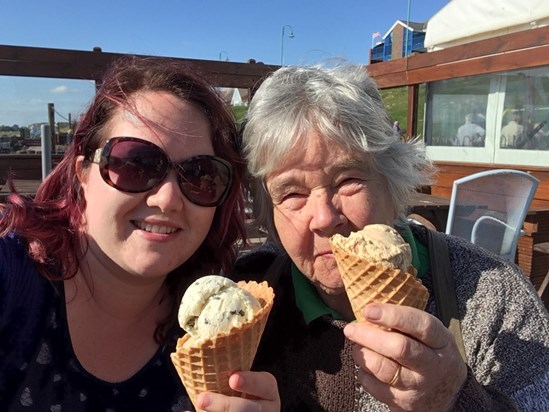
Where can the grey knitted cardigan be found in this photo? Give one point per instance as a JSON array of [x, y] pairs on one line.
[[505, 330]]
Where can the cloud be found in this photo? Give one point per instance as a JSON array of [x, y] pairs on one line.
[[59, 90]]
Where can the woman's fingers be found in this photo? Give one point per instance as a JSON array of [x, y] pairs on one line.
[[378, 366], [410, 321], [259, 389], [261, 385]]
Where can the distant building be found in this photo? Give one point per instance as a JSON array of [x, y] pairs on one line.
[[34, 129], [5, 144], [24, 133], [234, 96], [31, 142], [402, 39]]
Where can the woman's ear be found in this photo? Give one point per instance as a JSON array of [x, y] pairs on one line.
[[81, 170]]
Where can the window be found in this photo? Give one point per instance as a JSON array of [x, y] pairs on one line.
[[493, 118], [457, 109], [525, 111]]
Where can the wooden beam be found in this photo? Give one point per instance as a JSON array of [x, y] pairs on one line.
[[514, 60], [90, 65], [391, 80], [481, 48], [387, 68], [520, 50], [411, 121]]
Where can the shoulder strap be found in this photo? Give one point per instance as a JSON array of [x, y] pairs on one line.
[[443, 286]]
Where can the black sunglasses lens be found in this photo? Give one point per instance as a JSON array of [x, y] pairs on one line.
[[135, 166], [204, 180]]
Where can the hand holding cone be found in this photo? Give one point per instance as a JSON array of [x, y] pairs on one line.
[[207, 365]]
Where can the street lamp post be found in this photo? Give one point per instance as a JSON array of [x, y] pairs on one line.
[[223, 52], [407, 30], [290, 36]]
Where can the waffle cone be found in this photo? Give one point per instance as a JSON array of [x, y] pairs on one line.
[[366, 282], [207, 365]]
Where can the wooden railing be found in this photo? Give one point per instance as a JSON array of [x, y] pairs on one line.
[[520, 50], [90, 65], [447, 172]]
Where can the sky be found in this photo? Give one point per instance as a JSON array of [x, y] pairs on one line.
[[198, 29]]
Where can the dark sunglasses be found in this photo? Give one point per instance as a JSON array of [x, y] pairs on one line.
[[134, 165]]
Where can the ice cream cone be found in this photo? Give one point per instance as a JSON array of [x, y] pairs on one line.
[[207, 365], [367, 282]]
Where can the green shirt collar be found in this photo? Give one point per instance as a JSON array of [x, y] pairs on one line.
[[420, 253], [307, 298], [311, 304]]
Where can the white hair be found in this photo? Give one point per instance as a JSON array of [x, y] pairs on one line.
[[343, 105]]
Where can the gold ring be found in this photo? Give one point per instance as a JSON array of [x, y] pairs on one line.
[[397, 375]]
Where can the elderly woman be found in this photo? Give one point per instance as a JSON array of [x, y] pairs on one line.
[[325, 160]]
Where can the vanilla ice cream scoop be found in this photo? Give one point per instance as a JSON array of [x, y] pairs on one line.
[[375, 266], [377, 243], [213, 305]]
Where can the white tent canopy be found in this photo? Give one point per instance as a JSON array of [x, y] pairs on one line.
[[464, 21]]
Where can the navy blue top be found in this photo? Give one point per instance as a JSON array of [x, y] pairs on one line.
[[38, 367]]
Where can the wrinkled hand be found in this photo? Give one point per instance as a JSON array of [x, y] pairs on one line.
[[260, 389], [411, 363]]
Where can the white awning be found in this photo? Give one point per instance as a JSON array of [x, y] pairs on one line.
[[464, 21]]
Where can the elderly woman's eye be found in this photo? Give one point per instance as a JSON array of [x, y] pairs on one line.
[[280, 197], [351, 181], [351, 184], [292, 196], [292, 200]]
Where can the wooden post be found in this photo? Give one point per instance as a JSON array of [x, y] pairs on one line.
[[411, 121], [51, 121]]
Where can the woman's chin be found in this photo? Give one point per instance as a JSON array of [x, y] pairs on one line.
[[332, 288]]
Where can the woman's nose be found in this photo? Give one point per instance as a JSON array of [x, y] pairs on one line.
[[167, 196], [326, 213]]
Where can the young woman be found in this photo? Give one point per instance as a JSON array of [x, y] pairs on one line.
[[147, 198]]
